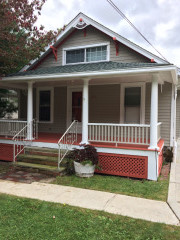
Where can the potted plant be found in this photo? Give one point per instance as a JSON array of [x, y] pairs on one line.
[[85, 160]]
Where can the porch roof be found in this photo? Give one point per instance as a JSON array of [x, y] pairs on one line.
[[88, 67]]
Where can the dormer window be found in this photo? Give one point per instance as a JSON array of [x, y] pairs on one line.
[[86, 54]]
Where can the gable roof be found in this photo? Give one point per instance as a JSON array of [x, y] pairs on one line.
[[89, 21]]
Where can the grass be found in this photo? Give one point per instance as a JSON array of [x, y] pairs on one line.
[[115, 184], [33, 220]]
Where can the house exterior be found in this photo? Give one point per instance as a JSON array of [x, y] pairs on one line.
[[111, 92]]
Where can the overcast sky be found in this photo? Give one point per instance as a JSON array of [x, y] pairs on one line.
[[158, 20]]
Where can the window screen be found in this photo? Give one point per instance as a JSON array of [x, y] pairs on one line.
[[96, 54], [75, 56], [44, 105]]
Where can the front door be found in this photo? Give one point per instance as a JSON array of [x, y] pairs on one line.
[[77, 109]]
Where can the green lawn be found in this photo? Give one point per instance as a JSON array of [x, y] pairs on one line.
[[25, 219], [115, 184]]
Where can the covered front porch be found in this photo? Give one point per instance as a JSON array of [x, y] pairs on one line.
[[119, 113]]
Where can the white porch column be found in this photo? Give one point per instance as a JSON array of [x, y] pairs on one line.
[[30, 111], [154, 113], [85, 112]]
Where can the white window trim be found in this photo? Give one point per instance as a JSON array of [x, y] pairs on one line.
[[84, 47], [51, 89], [142, 105]]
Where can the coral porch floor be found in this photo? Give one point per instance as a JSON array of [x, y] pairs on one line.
[[54, 138]]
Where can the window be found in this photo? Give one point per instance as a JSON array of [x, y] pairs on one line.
[[132, 104], [45, 105], [96, 54], [88, 54], [132, 101], [75, 56]]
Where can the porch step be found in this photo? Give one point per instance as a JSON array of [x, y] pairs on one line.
[[42, 151], [38, 159], [42, 168]]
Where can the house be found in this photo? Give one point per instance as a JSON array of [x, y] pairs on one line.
[[94, 86]]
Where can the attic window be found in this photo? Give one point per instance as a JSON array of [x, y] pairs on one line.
[[87, 54]]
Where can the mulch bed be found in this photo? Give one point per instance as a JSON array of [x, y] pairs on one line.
[[165, 171]]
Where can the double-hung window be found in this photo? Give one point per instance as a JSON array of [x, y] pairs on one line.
[[45, 105], [87, 54]]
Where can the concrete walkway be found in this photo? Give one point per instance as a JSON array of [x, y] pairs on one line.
[[174, 189], [140, 208]]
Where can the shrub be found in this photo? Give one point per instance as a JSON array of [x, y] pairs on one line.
[[87, 154]]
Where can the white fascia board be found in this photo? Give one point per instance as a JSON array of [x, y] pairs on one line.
[[174, 75], [106, 31], [89, 74]]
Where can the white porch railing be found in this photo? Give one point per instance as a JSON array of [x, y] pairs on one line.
[[67, 140], [20, 139], [9, 128], [119, 133], [159, 131]]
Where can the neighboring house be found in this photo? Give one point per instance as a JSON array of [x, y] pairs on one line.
[[123, 97]]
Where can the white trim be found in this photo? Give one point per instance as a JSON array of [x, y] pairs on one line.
[[70, 90], [173, 116], [90, 74], [142, 105], [85, 47], [51, 89]]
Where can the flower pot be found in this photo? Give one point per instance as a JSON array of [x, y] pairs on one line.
[[86, 170]]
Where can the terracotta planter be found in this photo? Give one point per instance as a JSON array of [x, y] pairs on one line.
[[84, 170]]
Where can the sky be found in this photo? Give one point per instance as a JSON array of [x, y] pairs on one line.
[[157, 20]]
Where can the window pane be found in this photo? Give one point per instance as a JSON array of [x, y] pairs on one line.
[[132, 96], [44, 114], [96, 54], [44, 105], [44, 98], [75, 56]]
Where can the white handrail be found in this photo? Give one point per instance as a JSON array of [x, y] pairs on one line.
[[119, 124], [66, 141], [12, 120], [20, 138]]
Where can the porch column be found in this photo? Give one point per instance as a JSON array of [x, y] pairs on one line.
[[30, 111], [85, 112], [154, 113]]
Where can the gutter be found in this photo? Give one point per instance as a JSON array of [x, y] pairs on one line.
[[89, 74]]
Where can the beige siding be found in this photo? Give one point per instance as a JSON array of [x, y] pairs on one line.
[[104, 104], [164, 109], [93, 36], [178, 115]]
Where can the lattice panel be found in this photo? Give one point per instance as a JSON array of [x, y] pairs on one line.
[[6, 152], [160, 161], [123, 165]]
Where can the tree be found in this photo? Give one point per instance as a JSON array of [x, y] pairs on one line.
[[20, 39], [7, 105]]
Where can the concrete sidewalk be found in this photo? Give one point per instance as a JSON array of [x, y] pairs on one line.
[[155, 211], [174, 189]]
